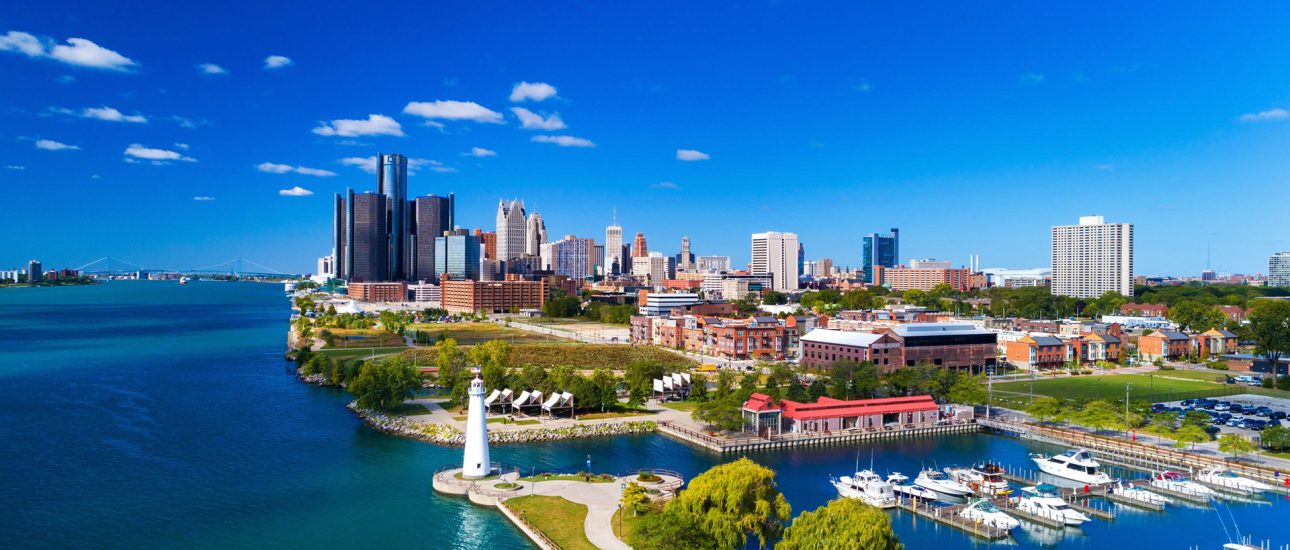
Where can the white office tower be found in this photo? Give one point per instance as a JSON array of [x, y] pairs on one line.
[[475, 458], [1092, 258], [1279, 269], [511, 230], [614, 247], [535, 235], [775, 254]]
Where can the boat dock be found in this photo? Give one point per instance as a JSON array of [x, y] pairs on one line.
[[1121, 499], [949, 515], [1072, 496]]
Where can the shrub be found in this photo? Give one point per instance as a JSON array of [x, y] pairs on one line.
[[648, 477]]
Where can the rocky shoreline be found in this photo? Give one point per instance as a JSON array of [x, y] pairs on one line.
[[440, 434]]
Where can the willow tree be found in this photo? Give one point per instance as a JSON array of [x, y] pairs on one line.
[[733, 500], [842, 523]]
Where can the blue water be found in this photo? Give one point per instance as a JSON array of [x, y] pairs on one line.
[[150, 414]]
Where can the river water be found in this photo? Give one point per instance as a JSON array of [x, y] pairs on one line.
[[152, 414]]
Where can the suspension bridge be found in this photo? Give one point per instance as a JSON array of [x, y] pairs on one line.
[[237, 267]]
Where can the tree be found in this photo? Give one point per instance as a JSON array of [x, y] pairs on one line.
[[968, 390], [1097, 414], [1195, 418], [1190, 434], [724, 413], [670, 530], [386, 383], [635, 498], [1235, 444], [748, 385], [640, 376], [733, 500], [603, 389], [1269, 327], [1276, 438], [698, 387], [816, 390], [1044, 408], [796, 391], [1195, 316], [842, 523], [1162, 424]]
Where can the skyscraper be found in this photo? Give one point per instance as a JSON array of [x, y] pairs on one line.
[[488, 239], [685, 260], [368, 238], [883, 250], [457, 254], [431, 217], [614, 247], [776, 254], [392, 182], [573, 257], [338, 236], [639, 250], [35, 271], [1279, 269], [535, 235], [1092, 258], [511, 227]]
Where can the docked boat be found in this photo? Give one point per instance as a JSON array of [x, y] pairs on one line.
[[289, 287], [895, 478], [183, 280], [941, 483], [1045, 501], [1075, 464], [1224, 477], [868, 487], [1134, 492], [985, 512], [914, 491], [982, 478], [1175, 481]]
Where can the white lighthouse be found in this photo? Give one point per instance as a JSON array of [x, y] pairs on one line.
[[475, 459]]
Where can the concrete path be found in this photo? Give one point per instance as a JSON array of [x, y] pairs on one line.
[[601, 500]]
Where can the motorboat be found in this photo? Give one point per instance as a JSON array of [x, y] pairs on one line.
[[183, 280], [868, 487], [897, 478], [941, 483], [289, 287], [1175, 481], [1134, 492], [984, 478], [914, 491], [1224, 477], [1075, 464], [985, 512], [1045, 501]]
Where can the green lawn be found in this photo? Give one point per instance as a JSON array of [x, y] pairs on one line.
[[624, 523], [360, 353], [1101, 387], [468, 334], [1203, 376], [555, 517], [683, 406], [408, 409]]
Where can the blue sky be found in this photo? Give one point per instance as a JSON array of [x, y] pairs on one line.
[[972, 128]]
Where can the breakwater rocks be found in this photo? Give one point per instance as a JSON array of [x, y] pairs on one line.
[[447, 435]]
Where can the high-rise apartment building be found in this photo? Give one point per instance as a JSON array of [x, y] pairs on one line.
[[35, 271], [511, 228], [825, 268], [712, 264], [776, 254], [368, 238], [614, 248], [1092, 258], [881, 250], [392, 182], [431, 217], [655, 267], [639, 249], [1279, 269], [534, 235], [573, 257], [457, 255]]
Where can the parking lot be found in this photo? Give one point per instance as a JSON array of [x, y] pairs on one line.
[[1236, 412]]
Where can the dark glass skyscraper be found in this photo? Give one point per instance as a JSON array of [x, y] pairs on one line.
[[883, 250], [458, 255], [368, 236], [392, 182], [431, 217]]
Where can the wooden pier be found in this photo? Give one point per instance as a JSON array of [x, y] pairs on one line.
[[1121, 499], [949, 515]]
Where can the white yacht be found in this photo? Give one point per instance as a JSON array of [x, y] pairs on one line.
[[897, 478], [1075, 464], [1224, 477], [983, 478], [1045, 501], [941, 483], [867, 486], [1175, 481], [914, 491], [987, 513], [1134, 492]]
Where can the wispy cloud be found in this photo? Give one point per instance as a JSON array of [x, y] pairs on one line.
[[136, 153], [564, 141], [375, 125], [368, 164], [534, 121], [211, 68], [448, 109], [1270, 114], [77, 51], [15, 167], [480, 152], [691, 155], [277, 62], [203, 198], [296, 191], [101, 113], [51, 145], [274, 168], [1031, 79], [665, 185], [534, 91]]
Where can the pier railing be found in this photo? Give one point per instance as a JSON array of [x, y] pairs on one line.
[[665, 484]]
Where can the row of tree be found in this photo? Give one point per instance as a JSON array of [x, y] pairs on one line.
[[566, 306]]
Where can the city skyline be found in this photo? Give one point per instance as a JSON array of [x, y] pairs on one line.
[[186, 156]]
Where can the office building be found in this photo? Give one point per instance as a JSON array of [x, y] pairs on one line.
[[655, 267], [424, 292], [368, 238], [614, 248], [712, 264], [1279, 269], [931, 263], [392, 183], [378, 291], [492, 296], [534, 234], [512, 226], [338, 251], [639, 249], [776, 254], [902, 278], [881, 250], [457, 255], [949, 345], [35, 271], [573, 257], [685, 260], [488, 239], [824, 268], [1092, 258], [326, 270], [431, 217]]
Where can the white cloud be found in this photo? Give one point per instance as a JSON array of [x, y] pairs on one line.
[[690, 155], [453, 110], [366, 164], [183, 146], [95, 177], [15, 167], [274, 168], [481, 152], [536, 91], [77, 51], [51, 145], [66, 79], [375, 125], [211, 68], [136, 152], [665, 185], [203, 198], [534, 121], [1270, 114], [1032, 78], [296, 191], [564, 141], [101, 113], [277, 62]]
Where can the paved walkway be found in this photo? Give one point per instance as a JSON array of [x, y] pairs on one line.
[[438, 415], [601, 500]]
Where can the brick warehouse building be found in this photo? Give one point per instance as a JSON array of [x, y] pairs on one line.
[[492, 296], [950, 345]]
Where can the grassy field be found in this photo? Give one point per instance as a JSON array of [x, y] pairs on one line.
[[555, 517], [361, 337], [624, 523], [360, 353], [468, 334], [409, 409], [578, 355], [1102, 387], [1203, 376]]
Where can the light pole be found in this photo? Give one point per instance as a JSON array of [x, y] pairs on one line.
[[1126, 409]]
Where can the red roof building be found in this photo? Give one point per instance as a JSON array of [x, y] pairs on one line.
[[834, 415]]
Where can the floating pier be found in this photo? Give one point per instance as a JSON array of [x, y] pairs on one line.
[[949, 515], [1121, 499]]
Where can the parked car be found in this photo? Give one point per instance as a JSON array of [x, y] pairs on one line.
[[1263, 411], [1188, 402], [1222, 407], [1234, 422], [1237, 408], [1278, 415]]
